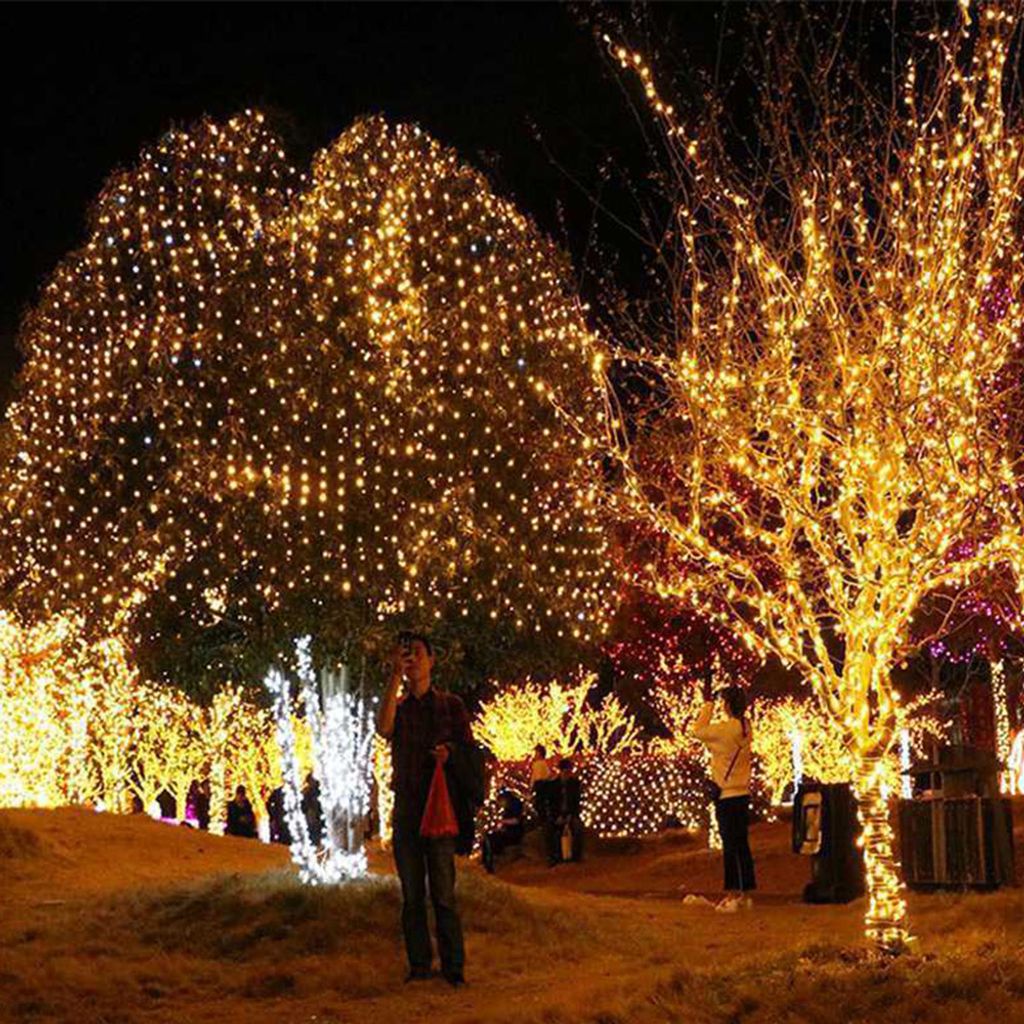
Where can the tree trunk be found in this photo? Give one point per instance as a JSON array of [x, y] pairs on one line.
[[218, 797], [886, 917]]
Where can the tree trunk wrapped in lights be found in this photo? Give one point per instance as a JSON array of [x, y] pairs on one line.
[[886, 913], [341, 730], [1000, 706], [815, 421], [382, 771]]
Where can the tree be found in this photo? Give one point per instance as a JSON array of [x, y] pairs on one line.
[[560, 716], [160, 755], [183, 753], [65, 707], [663, 651], [258, 404], [818, 438], [117, 693]]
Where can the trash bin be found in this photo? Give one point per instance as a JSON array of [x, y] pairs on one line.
[[957, 831], [825, 828]]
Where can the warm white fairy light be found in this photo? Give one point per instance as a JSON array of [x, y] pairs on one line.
[[1015, 764], [828, 443], [1002, 717], [382, 782], [560, 716], [637, 794], [347, 388], [341, 732], [66, 706]]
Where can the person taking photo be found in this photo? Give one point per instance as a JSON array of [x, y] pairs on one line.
[[426, 727], [728, 741]]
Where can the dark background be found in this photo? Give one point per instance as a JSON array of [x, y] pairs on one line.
[[89, 85]]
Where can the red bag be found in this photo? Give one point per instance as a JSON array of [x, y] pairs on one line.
[[438, 815]]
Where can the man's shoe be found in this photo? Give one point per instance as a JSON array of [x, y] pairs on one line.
[[454, 978], [419, 974]]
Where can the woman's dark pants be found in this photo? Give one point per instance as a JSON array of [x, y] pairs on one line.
[[732, 814]]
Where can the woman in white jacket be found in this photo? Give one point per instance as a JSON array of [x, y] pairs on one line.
[[728, 741]]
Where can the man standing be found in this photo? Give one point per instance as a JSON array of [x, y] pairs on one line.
[[563, 815], [425, 727]]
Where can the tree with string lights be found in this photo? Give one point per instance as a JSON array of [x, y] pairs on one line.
[[664, 650], [260, 403], [67, 704], [819, 441]]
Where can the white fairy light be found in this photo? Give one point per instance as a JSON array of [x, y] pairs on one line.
[[906, 789], [341, 731], [796, 740]]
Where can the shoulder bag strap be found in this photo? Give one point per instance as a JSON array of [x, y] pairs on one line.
[[732, 763]]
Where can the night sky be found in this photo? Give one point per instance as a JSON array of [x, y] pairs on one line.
[[89, 85]]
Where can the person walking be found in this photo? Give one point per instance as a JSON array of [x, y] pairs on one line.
[[426, 727], [728, 740]]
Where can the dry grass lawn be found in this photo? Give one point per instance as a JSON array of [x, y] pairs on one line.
[[124, 920]]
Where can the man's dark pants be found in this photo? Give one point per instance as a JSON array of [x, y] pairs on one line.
[[418, 861]]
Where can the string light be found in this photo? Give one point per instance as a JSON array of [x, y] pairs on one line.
[[80, 727], [906, 786], [637, 794], [814, 366], [357, 390], [341, 729], [557, 715], [382, 770], [303, 850], [341, 733], [1015, 764], [796, 739], [1000, 704], [67, 704]]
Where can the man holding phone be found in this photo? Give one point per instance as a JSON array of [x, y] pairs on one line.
[[424, 726]]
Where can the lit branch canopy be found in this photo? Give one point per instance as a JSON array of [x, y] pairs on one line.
[[257, 403], [825, 442]]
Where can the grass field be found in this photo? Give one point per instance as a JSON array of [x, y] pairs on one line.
[[111, 919]]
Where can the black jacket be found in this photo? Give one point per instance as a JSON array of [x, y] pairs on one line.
[[464, 773], [560, 797], [241, 820]]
